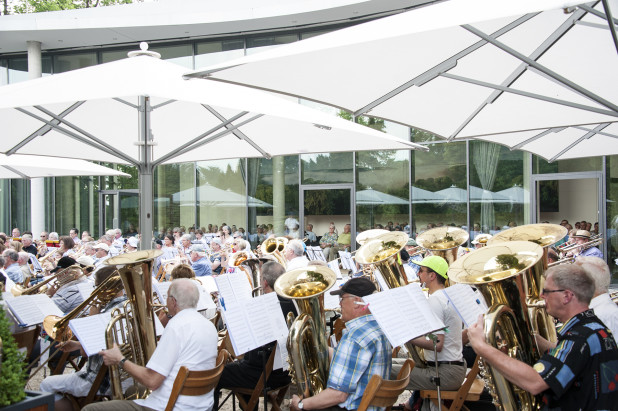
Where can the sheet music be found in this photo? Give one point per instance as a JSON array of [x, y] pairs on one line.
[[85, 289], [468, 304], [233, 287], [158, 326], [378, 276], [310, 254], [317, 251], [90, 331], [205, 302], [332, 301], [334, 265], [410, 274], [209, 283], [346, 260], [403, 313], [9, 284], [32, 309], [36, 265]]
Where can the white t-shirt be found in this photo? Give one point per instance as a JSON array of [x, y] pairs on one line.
[[297, 262], [451, 350], [190, 340], [607, 311]]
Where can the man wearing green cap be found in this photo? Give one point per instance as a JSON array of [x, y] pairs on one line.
[[433, 274]]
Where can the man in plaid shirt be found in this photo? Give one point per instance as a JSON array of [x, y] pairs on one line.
[[362, 352]]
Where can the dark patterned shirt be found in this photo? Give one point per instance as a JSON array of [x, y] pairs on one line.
[[582, 371]]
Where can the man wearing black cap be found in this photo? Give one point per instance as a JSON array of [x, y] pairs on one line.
[[67, 296], [362, 352]]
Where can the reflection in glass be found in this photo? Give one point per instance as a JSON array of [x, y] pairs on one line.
[[68, 62], [611, 235], [439, 187], [214, 52], [542, 166], [18, 70], [327, 168], [181, 55], [262, 43], [325, 206]]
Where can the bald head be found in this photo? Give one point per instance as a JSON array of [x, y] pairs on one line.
[[185, 292]]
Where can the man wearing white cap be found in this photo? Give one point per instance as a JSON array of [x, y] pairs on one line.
[[452, 368], [480, 240], [102, 254], [199, 263], [582, 237]]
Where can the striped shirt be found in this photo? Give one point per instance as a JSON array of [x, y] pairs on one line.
[[362, 352]]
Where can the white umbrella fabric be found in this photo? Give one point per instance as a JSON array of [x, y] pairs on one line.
[[208, 195], [461, 69], [374, 197], [420, 195], [515, 194], [28, 166], [140, 111]]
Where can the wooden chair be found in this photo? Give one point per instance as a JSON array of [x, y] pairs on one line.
[[338, 327], [470, 390], [27, 339], [384, 393], [196, 382], [274, 396]]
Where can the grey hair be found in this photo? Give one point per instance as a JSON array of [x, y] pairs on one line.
[[185, 293], [11, 254], [297, 247], [215, 241], [599, 271], [185, 237], [26, 236], [271, 271], [111, 233], [573, 278], [106, 237], [23, 256], [118, 230], [53, 236], [242, 244]]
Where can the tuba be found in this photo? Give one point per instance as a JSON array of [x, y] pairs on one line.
[[135, 271], [307, 343], [382, 253], [502, 274], [443, 242], [545, 235]]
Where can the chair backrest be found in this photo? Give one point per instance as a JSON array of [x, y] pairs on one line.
[[27, 339], [384, 393], [196, 382]]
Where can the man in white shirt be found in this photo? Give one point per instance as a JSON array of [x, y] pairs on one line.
[[74, 234], [294, 253], [601, 303], [189, 339]]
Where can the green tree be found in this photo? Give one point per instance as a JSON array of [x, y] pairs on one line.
[[37, 6]]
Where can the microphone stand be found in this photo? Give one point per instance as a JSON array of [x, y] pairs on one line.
[[436, 379]]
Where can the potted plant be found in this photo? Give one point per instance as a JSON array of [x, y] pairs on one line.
[[13, 397]]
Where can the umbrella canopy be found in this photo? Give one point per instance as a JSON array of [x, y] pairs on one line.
[[27, 166], [209, 195], [420, 195], [460, 69], [140, 111], [374, 197], [514, 194]]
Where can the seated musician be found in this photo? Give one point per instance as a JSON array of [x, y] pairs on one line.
[[67, 296], [215, 257], [27, 244], [23, 260], [189, 339], [452, 368], [580, 372], [199, 262], [11, 266], [581, 237], [362, 352], [246, 372], [79, 383], [294, 253], [131, 245]]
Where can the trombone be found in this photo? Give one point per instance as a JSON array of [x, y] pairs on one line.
[[592, 242]]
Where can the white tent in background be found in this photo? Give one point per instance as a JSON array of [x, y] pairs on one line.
[[374, 197], [26, 166], [420, 195], [140, 111]]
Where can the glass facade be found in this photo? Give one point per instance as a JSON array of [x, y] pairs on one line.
[[476, 185]]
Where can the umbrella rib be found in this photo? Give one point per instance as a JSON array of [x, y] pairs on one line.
[[601, 133], [444, 66], [179, 150], [239, 134], [44, 129], [579, 140], [536, 137], [543, 47], [135, 106], [607, 17], [111, 149], [531, 95], [206, 141], [22, 175], [557, 77]]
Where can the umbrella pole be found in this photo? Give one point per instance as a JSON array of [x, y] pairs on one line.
[[146, 195]]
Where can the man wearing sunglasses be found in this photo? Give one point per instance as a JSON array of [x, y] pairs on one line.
[[581, 371]]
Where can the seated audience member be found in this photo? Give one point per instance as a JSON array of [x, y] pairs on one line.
[[199, 262], [27, 246], [189, 339], [328, 243]]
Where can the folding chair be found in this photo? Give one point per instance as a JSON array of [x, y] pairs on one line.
[[470, 390], [196, 382], [384, 393]]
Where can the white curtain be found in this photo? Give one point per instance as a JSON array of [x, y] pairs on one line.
[[485, 157]]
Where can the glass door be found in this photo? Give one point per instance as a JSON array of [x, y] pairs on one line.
[[119, 209], [322, 205]]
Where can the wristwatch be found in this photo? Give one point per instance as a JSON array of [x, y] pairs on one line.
[[300, 405], [121, 363]]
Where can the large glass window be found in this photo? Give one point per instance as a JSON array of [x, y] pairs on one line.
[[214, 52], [5, 205], [18, 69], [542, 166], [167, 198], [181, 55], [262, 43], [20, 204], [327, 168], [4, 73], [68, 62], [75, 204], [113, 55], [497, 195], [612, 214], [439, 186]]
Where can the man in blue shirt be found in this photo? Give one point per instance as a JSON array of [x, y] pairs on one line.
[[362, 352], [199, 262], [582, 237], [11, 266]]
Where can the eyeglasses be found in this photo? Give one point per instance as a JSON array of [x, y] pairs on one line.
[[546, 291], [347, 296]]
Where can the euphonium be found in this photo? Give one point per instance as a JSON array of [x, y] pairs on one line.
[[275, 247], [501, 273], [443, 242], [382, 253], [306, 286], [135, 271], [545, 235]]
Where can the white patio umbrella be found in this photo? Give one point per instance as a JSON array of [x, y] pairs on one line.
[[461, 69], [208, 195], [28, 166], [515, 194], [140, 111], [374, 197], [420, 195]]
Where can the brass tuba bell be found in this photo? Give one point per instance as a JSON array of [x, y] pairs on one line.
[[443, 241], [307, 343]]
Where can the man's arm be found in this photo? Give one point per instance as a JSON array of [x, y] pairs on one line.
[[427, 344], [327, 398], [517, 372], [147, 377]]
